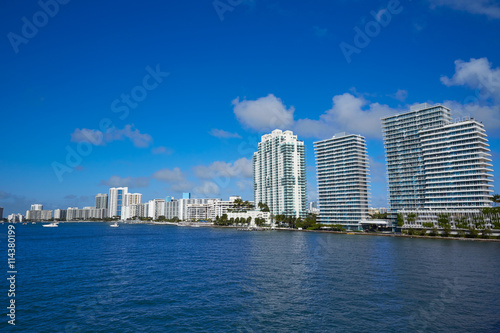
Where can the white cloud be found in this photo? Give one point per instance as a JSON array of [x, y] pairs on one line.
[[207, 189], [134, 182], [245, 184], [400, 95], [88, 135], [161, 150], [221, 134], [479, 75], [489, 8], [169, 175], [264, 114], [348, 114], [175, 178], [476, 74], [241, 168], [488, 115], [99, 138]]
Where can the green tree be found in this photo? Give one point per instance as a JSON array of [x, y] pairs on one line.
[[263, 207], [496, 199], [444, 223], [462, 222], [473, 233], [401, 220], [478, 222], [411, 218]]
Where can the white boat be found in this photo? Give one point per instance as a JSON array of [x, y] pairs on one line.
[[114, 225], [50, 225]]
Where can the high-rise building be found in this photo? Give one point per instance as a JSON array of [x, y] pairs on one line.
[[115, 200], [434, 163], [279, 169], [36, 207], [343, 186], [132, 199], [156, 208], [457, 162], [135, 211], [60, 214], [405, 164], [1, 213], [101, 201]]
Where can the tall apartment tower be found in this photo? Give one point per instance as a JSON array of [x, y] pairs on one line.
[[132, 199], [434, 163], [279, 173], [405, 164], [343, 185], [101, 201], [36, 207], [457, 166], [116, 200]]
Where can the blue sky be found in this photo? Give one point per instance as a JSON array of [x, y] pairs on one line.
[[205, 79]]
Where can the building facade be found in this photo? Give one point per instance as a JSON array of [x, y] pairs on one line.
[[156, 208], [60, 214], [405, 166], [279, 172], [38, 215], [36, 207], [457, 166], [85, 214], [116, 200], [343, 185], [132, 199], [101, 200], [434, 163], [135, 211]]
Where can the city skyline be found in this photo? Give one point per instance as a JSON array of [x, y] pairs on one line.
[[232, 77]]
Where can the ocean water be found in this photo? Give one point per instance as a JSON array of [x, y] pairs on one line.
[[151, 278]]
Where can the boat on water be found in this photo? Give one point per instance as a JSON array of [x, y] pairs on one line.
[[114, 225], [33, 222], [50, 225]]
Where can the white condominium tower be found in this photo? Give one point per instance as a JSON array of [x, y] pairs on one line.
[[405, 164], [101, 201], [456, 166], [36, 207], [132, 199], [342, 171], [433, 163], [116, 200], [279, 173]]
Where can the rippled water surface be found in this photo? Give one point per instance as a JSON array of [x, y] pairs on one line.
[[145, 278]]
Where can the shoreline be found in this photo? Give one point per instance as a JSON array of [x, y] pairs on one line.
[[204, 224]]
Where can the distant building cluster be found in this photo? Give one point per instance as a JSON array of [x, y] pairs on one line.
[[434, 166]]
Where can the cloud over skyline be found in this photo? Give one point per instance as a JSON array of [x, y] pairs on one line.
[[98, 138], [489, 8]]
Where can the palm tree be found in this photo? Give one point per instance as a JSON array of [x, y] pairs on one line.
[[496, 199]]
